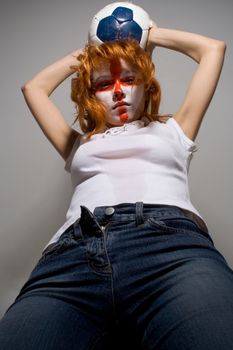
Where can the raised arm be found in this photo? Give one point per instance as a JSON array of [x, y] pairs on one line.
[[36, 93], [209, 54]]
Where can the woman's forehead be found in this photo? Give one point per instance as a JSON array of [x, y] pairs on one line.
[[112, 69]]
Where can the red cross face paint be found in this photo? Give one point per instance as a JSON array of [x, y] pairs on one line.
[[122, 91]]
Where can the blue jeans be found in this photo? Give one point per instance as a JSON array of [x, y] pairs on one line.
[[134, 276]]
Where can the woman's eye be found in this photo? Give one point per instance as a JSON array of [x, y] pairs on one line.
[[129, 80], [103, 85]]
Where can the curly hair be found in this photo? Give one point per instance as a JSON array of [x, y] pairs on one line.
[[91, 111]]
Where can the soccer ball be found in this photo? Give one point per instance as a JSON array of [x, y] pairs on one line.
[[120, 21]]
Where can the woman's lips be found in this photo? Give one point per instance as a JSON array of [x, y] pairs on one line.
[[122, 109], [121, 104]]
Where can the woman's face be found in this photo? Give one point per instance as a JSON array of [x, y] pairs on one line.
[[121, 89]]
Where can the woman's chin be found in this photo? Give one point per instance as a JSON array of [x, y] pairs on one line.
[[124, 117]]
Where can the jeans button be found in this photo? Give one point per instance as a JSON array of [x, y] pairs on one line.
[[109, 211]]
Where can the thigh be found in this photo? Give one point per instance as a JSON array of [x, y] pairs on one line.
[[194, 309], [174, 285], [188, 304], [40, 322], [64, 304]]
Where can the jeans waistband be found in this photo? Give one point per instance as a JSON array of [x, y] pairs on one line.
[[138, 211]]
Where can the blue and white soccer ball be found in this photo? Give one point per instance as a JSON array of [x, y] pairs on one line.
[[120, 21]]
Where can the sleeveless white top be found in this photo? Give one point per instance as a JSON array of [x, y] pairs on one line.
[[138, 161]]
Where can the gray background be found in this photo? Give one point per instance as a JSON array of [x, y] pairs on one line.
[[35, 189]]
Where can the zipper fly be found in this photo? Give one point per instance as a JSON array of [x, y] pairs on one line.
[[103, 227]]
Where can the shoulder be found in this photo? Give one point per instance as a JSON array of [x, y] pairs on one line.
[[164, 118], [168, 117]]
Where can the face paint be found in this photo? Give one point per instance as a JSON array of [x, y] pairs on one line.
[[122, 91]]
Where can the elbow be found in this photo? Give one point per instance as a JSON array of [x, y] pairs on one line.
[[224, 46], [28, 86], [25, 87], [216, 48], [220, 46], [220, 50], [33, 86], [212, 48]]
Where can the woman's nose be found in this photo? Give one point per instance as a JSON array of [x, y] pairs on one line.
[[118, 93]]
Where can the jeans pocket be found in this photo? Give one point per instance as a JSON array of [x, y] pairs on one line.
[[52, 248], [178, 225], [65, 241]]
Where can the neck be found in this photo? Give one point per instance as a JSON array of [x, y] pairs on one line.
[[143, 118]]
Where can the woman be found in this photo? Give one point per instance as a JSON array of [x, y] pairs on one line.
[[133, 266]]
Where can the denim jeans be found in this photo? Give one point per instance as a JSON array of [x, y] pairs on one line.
[[130, 276]]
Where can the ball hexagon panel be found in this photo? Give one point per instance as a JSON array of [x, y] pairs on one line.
[[119, 26]]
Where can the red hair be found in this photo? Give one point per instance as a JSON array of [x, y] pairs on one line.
[[90, 111]]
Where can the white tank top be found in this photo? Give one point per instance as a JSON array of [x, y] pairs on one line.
[[136, 162]]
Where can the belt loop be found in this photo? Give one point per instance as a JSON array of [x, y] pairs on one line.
[[139, 213]]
